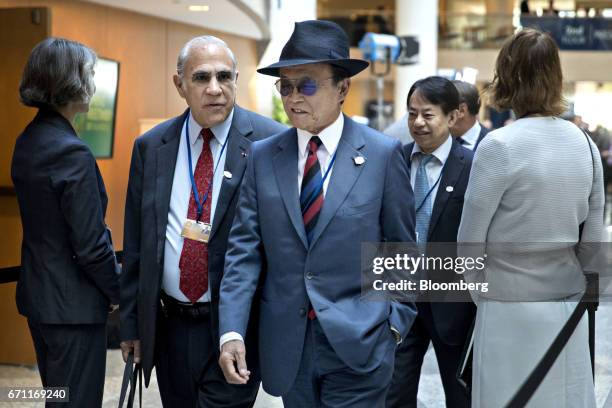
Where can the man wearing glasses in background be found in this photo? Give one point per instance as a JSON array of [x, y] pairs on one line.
[[180, 204], [310, 197]]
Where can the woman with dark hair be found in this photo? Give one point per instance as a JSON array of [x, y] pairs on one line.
[[69, 279], [535, 201]]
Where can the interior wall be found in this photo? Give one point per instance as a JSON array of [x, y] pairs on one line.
[[146, 48]]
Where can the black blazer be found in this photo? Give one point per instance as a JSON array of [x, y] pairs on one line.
[[69, 272], [146, 218], [451, 320]]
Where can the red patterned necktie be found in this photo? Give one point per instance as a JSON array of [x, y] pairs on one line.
[[193, 264]]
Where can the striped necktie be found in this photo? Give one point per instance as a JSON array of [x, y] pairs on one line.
[[311, 196]]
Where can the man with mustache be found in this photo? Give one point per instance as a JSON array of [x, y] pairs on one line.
[[180, 205]]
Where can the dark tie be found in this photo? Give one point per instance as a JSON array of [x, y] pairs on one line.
[[461, 141], [193, 263], [311, 197]]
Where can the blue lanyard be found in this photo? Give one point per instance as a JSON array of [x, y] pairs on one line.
[[194, 188], [320, 186], [430, 190]]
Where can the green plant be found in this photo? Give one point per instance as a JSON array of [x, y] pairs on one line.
[[278, 112]]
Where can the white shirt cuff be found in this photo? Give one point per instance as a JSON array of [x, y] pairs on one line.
[[229, 336]]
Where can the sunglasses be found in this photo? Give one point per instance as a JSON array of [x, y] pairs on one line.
[[306, 86]]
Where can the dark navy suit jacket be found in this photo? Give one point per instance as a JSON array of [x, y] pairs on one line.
[[483, 133], [146, 217], [69, 272], [451, 320], [369, 201]]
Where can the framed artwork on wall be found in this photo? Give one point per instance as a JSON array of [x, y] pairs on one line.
[[97, 127]]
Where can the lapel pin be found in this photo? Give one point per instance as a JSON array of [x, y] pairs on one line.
[[449, 189], [227, 174], [244, 154], [359, 160]]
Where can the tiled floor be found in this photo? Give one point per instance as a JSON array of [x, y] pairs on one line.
[[430, 388]]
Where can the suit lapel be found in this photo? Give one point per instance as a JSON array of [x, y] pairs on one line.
[[165, 163], [235, 163], [285, 169], [450, 174], [483, 133], [408, 157], [344, 175]]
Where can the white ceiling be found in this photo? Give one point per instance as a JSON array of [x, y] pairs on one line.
[[223, 15]]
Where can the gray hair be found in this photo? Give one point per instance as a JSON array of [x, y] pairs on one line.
[[202, 41], [58, 71]]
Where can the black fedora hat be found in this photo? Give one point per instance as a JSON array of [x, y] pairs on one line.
[[316, 41]]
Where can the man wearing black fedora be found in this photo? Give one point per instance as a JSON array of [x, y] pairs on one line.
[[310, 197]]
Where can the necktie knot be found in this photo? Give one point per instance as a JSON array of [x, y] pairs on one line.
[[314, 143], [207, 136], [425, 158], [461, 141]]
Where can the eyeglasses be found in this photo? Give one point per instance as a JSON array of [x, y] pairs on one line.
[[306, 86]]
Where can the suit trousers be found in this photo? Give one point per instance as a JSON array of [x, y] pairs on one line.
[[187, 368], [323, 380], [73, 356], [409, 359]]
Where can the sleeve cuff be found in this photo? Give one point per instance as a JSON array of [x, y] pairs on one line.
[[229, 336]]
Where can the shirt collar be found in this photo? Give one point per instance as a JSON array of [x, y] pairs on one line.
[[330, 136], [471, 136], [441, 153], [220, 131]]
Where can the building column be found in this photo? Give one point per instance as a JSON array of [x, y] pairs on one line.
[[417, 18], [283, 16]]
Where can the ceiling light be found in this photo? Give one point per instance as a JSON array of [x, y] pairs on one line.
[[197, 7]]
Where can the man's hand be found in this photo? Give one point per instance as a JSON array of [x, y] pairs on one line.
[[233, 362], [129, 346]]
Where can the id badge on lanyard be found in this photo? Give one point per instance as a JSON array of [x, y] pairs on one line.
[[196, 229]]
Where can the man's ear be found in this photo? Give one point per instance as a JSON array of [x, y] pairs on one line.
[[452, 117], [345, 84], [178, 83], [462, 110]]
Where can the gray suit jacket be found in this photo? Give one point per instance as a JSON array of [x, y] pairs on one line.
[[146, 218], [372, 202], [532, 184]]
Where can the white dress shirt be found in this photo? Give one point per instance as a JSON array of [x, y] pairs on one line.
[[471, 136], [330, 136], [433, 168], [181, 193]]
